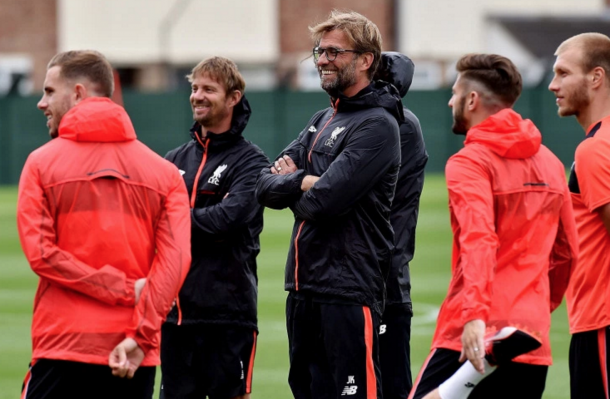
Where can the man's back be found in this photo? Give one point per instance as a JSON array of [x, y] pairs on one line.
[[508, 199], [93, 218]]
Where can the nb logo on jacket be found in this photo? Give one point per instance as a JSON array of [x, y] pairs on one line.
[[215, 178]]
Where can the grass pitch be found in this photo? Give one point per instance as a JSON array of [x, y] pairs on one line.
[[430, 273]]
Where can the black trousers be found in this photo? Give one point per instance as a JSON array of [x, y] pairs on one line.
[[333, 349], [61, 379], [509, 381]]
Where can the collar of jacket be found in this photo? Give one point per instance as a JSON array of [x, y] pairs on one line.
[[241, 115], [97, 119], [506, 134], [376, 94]]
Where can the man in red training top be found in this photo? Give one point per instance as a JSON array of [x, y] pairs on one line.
[[514, 238], [105, 223], [582, 87]]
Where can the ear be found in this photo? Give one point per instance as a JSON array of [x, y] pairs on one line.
[[473, 101], [80, 93], [598, 77], [366, 61], [234, 98]]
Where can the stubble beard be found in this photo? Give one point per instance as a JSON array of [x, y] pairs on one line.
[[459, 122], [578, 101], [214, 116], [345, 78]]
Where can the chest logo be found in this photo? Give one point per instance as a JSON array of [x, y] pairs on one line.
[[182, 172], [313, 129], [333, 136], [215, 178]]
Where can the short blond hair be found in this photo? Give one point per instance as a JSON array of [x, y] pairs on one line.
[[595, 49], [223, 71], [361, 32]]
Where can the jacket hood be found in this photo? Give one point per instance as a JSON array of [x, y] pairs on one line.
[[507, 134], [396, 69], [377, 94], [239, 121], [97, 119]]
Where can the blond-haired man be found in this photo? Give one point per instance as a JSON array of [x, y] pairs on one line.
[[581, 85], [338, 178], [209, 339]]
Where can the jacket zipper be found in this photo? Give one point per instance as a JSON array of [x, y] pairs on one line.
[[204, 144], [204, 159], [296, 239], [335, 105]]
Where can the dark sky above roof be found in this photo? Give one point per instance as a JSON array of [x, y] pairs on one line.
[[542, 35]]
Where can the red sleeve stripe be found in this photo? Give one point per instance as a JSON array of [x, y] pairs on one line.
[[296, 257]]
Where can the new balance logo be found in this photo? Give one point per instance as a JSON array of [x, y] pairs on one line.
[[382, 329], [349, 390], [469, 385], [313, 129], [182, 172]]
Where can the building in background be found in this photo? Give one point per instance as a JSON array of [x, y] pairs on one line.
[[153, 43]]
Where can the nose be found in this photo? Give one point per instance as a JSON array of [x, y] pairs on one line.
[[450, 104], [553, 86], [323, 59], [197, 95], [42, 104]]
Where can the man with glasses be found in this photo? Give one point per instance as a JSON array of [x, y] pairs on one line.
[[338, 177]]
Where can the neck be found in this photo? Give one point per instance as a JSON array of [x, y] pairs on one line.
[[356, 87], [598, 109], [218, 128]]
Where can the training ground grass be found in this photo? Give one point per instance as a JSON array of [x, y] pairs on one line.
[[430, 278]]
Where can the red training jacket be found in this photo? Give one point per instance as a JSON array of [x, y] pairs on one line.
[[98, 210], [515, 241]]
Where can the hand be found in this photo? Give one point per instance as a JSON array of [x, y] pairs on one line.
[[139, 286], [308, 182], [473, 346], [284, 166], [125, 358]]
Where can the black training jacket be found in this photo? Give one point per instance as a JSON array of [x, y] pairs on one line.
[[398, 70], [342, 240], [226, 220]]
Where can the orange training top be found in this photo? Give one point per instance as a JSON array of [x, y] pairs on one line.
[[98, 210], [514, 235], [588, 295]]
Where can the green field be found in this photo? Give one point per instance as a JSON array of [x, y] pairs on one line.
[[430, 277]]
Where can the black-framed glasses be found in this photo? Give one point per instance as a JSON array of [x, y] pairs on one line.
[[331, 53]]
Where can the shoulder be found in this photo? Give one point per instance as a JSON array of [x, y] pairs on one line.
[[252, 151], [173, 154], [592, 156], [473, 155]]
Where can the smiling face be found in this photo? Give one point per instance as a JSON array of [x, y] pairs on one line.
[[570, 84], [58, 98], [338, 75], [210, 104]]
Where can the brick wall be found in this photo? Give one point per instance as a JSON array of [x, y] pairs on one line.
[[30, 27], [297, 15]]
